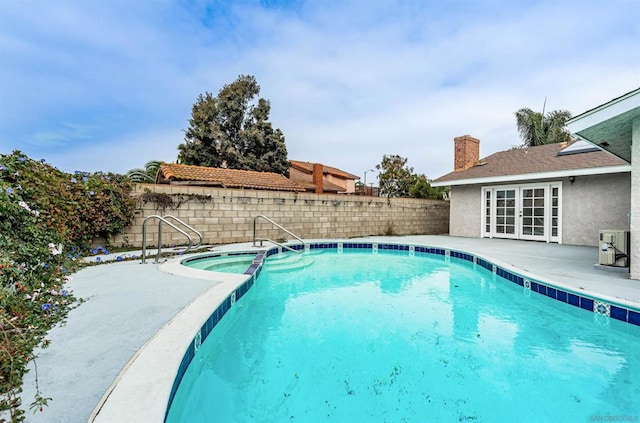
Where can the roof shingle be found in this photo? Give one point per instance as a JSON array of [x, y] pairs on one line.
[[532, 160], [227, 178]]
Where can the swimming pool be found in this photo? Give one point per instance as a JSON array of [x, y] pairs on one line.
[[460, 320], [237, 262]]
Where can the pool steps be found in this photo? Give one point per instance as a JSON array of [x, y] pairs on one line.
[[287, 262]]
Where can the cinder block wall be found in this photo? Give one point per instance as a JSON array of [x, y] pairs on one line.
[[226, 215]]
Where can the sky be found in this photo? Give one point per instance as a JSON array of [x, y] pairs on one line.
[[97, 85]]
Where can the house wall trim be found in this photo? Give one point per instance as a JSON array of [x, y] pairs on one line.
[[515, 179]]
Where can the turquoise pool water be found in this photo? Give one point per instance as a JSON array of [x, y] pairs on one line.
[[217, 263], [391, 337]]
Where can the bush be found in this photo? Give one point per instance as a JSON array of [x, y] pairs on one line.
[[47, 219]]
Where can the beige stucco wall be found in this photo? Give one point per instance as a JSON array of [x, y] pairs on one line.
[[348, 184], [226, 216], [593, 203], [297, 175], [590, 204], [465, 211]]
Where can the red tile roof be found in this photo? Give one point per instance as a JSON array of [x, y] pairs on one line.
[[533, 160], [307, 167], [227, 178]]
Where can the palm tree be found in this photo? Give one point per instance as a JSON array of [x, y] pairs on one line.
[[146, 175], [537, 128]]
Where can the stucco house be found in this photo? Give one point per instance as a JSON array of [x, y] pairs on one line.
[[615, 126], [319, 178], [564, 193]]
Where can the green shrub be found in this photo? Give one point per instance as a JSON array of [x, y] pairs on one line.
[[47, 219]]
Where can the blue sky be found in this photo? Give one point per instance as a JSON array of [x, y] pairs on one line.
[[108, 85]]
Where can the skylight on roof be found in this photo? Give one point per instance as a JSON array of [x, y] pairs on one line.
[[578, 147]]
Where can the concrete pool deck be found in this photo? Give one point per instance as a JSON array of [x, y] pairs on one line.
[[127, 303]]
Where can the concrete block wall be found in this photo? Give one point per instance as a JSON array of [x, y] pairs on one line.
[[226, 215]]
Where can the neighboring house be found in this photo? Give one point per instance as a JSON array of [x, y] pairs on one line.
[[312, 175], [562, 193], [615, 127], [177, 174]]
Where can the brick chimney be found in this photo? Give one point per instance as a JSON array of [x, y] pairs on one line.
[[317, 177], [466, 152]]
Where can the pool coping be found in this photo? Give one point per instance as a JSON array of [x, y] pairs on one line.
[[139, 382], [176, 343]]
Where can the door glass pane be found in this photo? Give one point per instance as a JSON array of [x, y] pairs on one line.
[[533, 211], [487, 211], [505, 205], [555, 204]]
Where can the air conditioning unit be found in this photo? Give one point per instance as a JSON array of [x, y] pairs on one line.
[[614, 248]]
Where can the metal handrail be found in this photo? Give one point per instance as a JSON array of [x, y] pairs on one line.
[[162, 220], [255, 238], [191, 228]]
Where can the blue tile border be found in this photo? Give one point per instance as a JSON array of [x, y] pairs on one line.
[[544, 288], [547, 289], [206, 329]]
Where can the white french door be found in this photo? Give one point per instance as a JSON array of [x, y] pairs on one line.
[[530, 211], [505, 208]]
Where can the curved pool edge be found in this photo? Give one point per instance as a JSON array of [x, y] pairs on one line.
[[583, 292], [176, 266], [142, 394]]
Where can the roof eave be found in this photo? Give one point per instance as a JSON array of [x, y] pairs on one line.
[[609, 125], [604, 112], [535, 176]]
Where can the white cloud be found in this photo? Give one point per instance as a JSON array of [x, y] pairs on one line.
[[120, 154], [348, 81]]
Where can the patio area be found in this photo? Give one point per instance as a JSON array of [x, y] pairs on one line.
[[127, 303]]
